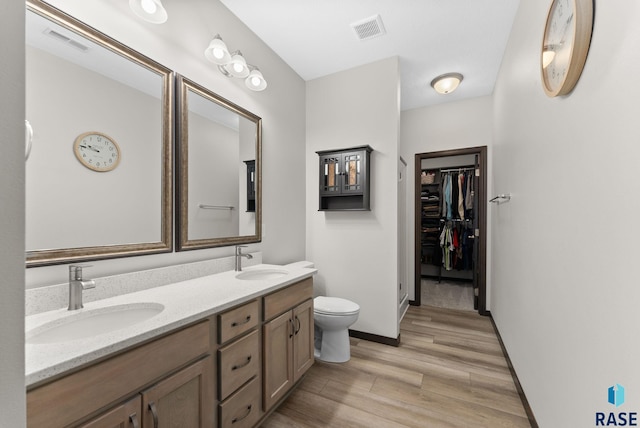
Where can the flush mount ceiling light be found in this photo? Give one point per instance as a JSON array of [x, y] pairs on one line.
[[234, 64], [149, 10], [446, 83]]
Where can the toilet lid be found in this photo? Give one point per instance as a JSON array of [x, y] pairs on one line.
[[334, 306]]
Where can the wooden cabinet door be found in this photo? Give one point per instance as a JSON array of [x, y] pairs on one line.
[[125, 415], [183, 400], [302, 339], [278, 354]]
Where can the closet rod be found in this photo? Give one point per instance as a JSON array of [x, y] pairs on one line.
[[463, 168]]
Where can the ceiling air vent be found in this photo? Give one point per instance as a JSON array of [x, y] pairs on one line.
[[65, 39], [369, 28]]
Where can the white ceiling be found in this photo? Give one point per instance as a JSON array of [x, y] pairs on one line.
[[431, 37]]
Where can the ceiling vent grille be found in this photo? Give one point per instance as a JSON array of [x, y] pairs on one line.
[[65, 39], [369, 28]]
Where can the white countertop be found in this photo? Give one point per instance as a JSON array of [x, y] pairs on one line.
[[184, 302]]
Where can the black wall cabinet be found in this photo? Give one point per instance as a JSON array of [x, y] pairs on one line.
[[345, 179]]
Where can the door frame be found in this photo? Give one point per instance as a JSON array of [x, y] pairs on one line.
[[481, 151]]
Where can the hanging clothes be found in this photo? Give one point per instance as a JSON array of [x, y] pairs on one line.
[[455, 195], [461, 196], [447, 197], [469, 195]]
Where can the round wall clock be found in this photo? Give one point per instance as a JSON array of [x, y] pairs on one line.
[[565, 45], [97, 151]]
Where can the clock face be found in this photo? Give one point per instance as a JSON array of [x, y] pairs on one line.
[[97, 151], [565, 45]]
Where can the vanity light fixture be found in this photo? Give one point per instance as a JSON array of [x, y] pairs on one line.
[[234, 64], [237, 67], [217, 51], [255, 81], [446, 83], [149, 10]]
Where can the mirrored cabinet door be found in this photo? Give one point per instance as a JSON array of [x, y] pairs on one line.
[[330, 178], [352, 179]]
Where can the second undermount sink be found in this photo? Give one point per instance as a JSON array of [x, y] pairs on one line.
[[89, 323], [262, 274]]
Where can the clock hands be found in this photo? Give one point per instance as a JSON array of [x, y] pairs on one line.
[[569, 19], [90, 148]]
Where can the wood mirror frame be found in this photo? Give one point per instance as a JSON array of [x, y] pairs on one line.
[[184, 87], [164, 243]]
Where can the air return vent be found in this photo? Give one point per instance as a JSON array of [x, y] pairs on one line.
[[369, 28], [62, 38]]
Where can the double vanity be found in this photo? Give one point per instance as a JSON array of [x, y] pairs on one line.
[[219, 350]]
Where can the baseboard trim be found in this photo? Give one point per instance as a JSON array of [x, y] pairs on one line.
[[375, 338], [516, 381]]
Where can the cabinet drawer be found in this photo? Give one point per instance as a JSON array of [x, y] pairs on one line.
[[242, 409], [285, 299], [238, 362], [237, 321]]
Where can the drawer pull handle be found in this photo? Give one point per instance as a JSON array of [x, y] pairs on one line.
[[292, 328], [236, 324], [154, 413], [234, 420], [134, 420], [299, 325], [246, 363]]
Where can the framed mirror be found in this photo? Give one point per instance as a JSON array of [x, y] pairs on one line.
[[99, 174], [219, 167]]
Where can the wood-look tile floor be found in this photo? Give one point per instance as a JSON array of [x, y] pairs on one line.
[[449, 371]]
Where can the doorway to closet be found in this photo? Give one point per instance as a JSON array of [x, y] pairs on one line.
[[450, 227]]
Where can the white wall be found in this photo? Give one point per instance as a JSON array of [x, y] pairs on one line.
[[12, 106], [565, 288], [356, 252], [179, 44], [448, 126]]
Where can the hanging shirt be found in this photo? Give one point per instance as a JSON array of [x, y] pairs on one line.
[[460, 206], [447, 195], [455, 195]]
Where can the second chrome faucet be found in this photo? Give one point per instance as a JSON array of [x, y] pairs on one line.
[[239, 256], [76, 285]]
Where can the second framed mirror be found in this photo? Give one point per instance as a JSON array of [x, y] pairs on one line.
[[219, 186]]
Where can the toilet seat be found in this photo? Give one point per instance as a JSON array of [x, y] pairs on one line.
[[335, 306]]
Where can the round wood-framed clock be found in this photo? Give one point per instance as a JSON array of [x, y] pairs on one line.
[[567, 36], [97, 151]]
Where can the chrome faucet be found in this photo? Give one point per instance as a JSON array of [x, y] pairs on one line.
[[76, 285], [239, 257]]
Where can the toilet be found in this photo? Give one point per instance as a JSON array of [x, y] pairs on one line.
[[332, 317]]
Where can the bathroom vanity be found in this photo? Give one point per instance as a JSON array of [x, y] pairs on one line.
[[224, 351]]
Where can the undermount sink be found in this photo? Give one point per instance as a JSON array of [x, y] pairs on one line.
[[261, 274], [89, 323]]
